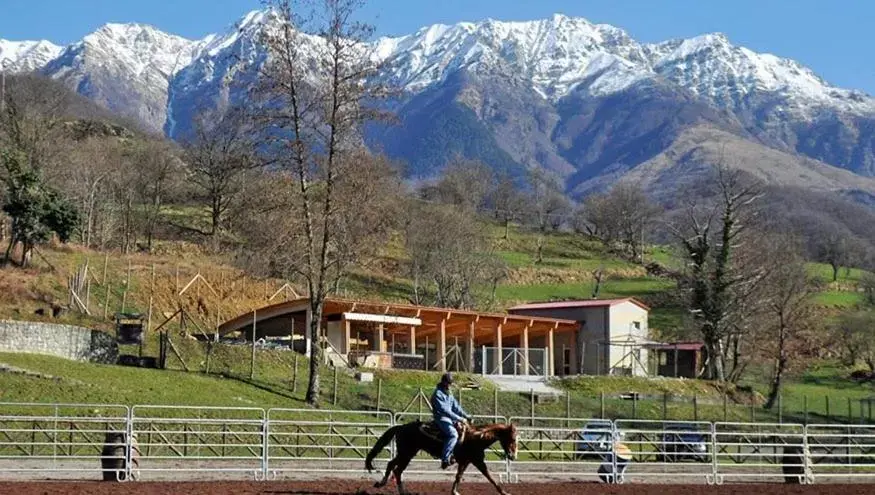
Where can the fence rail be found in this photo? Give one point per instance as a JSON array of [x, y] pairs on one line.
[[66, 441]]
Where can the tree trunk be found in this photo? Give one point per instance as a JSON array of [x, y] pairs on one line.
[[775, 389], [316, 307], [835, 271], [9, 249], [540, 254], [26, 253], [506, 228], [716, 369]]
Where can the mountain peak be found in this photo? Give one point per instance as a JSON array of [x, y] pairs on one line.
[[26, 56]]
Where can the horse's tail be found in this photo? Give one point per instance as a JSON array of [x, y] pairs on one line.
[[380, 445]]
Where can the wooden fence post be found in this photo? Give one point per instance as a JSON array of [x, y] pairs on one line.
[[295, 374], [379, 393], [334, 401], [495, 404]]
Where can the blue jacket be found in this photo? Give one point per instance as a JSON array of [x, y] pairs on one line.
[[446, 408]]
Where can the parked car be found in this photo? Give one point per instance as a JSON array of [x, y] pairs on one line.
[[682, 441], [595, 440]]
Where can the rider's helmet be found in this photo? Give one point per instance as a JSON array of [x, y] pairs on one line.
[[447, 379]]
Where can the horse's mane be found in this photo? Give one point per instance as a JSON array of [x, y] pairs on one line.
[[489, 432]]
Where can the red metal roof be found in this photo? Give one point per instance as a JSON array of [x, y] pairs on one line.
[[588, 303]]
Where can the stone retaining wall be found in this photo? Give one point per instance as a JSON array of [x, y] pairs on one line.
[[66, 341]]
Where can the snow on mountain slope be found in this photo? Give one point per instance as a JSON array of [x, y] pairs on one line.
[[731, 76], [165, 81], [554, 54], [26, 56], [126, 68]]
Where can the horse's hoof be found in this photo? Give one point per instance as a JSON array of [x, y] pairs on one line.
[[379, 484]]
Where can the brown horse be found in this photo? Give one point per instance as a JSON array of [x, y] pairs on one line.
[[410, 438]]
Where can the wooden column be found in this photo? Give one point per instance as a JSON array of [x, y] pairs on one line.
[[307, 341], [346, 337], [551, 358], [470, 348], [378, 339], [525, 345], [499, 353], [442, 345], [412, 339]]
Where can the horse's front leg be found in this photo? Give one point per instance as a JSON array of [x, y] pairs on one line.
[[480, 464], [463, 465]]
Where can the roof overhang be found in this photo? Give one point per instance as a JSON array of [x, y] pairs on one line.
[[389, 319]]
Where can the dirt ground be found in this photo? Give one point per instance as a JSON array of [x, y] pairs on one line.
[[340, 487]]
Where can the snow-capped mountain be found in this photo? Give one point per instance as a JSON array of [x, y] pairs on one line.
[[26, 56], [126, 68], [555, 55], [560, 54], [578, 98]]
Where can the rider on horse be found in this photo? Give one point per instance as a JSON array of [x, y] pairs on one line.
[[447, 412]]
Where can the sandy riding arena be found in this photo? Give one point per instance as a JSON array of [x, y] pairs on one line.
[[340, 487]]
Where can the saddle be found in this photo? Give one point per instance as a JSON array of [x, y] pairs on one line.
[[430, 429]]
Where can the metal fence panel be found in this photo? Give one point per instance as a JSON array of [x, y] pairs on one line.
[[58, 441], [305, 441], [559, 448], [676, 450], [841, 452], [211, 442], [754, 451], [66, 441]]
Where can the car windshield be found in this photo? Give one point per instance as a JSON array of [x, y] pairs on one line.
[[686, 433], [596, 431], [691, 437]]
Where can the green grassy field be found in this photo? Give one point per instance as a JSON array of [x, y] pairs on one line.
[[278, 384], [565, 273]]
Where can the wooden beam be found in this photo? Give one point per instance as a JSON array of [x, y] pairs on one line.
[[498, 347], [412, 339], [378, 337], [471, 327], [442, 345], [346, 337], [525, 345], [551, 364]]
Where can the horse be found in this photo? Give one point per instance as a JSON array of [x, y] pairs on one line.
[[412, 437]]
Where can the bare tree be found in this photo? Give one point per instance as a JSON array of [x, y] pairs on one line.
[[549, 207], [788, 312], [465, 183], [314, 103], [855, 336], [160, 173], [621, 219], [836, 246], [218, 156], [507, 202], [451, 261], [721, 278]]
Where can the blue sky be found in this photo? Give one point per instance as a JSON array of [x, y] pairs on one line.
[[836, 38]]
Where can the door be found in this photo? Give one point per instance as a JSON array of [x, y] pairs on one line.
[[566, 361]]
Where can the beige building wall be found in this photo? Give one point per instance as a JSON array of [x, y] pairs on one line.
[[628, 323]]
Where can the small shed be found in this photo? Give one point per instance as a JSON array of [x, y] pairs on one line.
[[678, 359]]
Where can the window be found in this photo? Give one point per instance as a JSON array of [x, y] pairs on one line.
[[636, 325]]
